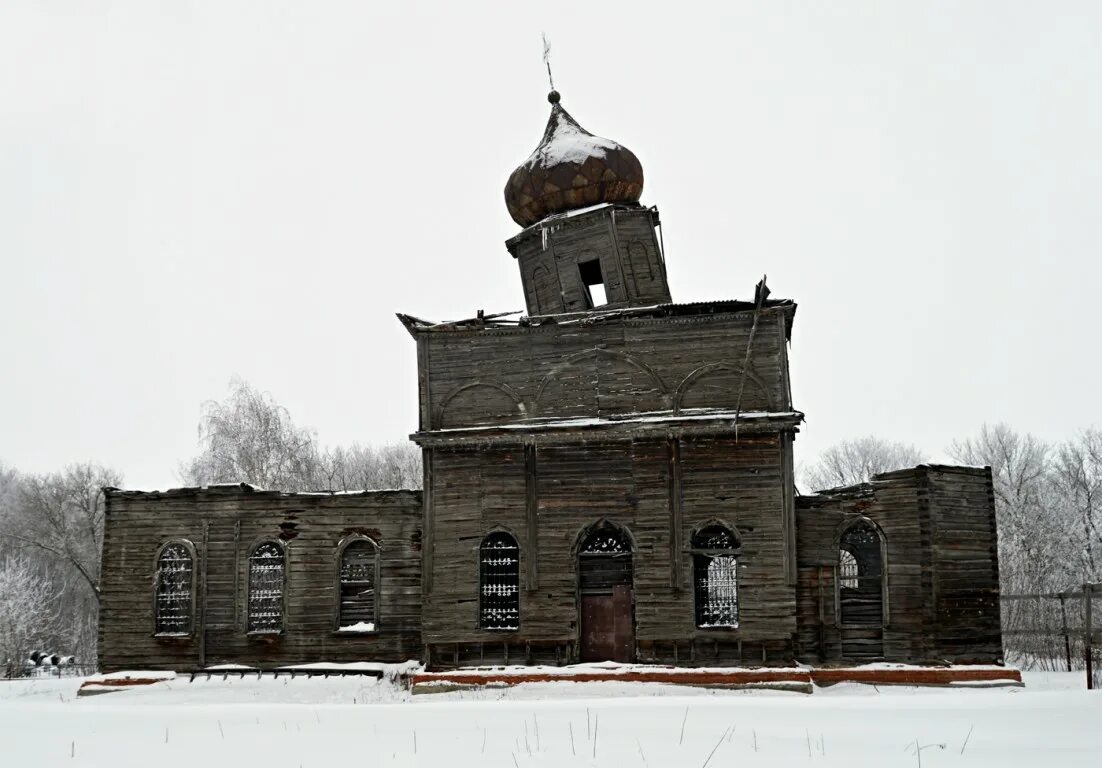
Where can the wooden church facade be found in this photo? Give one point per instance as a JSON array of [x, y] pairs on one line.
[[609, 477]]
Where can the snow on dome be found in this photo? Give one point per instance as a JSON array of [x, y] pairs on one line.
[[571, 168]]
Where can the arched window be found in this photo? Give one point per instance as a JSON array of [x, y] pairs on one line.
[[499, 582], [175, 590], [266, 583], [861, 575], [359, 577], [605, 560], [715, 576]]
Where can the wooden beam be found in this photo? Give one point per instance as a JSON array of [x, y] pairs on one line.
[[428, 537], [673, 453], [531, 507]]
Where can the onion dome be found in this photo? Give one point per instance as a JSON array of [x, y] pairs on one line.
[[571, 168]]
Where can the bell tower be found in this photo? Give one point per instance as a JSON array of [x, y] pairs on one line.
[[587, 243]]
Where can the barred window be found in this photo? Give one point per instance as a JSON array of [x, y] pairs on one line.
[[266, 582], [847, 569], [359, 570], [499, 582], [715, 576], [175, 583]]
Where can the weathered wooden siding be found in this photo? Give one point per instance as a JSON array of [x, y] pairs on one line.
[[622, 239], [938, 525], [966, 565], [476, 491], [618, 366], [223, 523]]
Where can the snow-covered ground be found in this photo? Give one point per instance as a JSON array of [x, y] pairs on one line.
[[313, 722]]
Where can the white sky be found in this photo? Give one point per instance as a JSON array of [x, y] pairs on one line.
[[190, 191]]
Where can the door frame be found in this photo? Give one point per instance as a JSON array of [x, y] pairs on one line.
[[577, 554]]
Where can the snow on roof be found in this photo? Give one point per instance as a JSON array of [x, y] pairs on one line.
[[567, 142]]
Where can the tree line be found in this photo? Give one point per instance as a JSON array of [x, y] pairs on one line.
[[1048, 503], [51, 525]]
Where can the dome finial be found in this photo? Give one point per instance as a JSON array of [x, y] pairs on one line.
[[553, 97]]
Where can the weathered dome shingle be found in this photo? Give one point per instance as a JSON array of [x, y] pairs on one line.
[[571, 168]]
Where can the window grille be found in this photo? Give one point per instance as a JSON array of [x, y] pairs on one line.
[[266, 583], [605, 541], [715, 572], [499, 582], [604, 561], [847, 570], [175, 581], [358, 575]]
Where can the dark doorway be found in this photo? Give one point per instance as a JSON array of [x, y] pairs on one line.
[[861, 592], [606, 596]]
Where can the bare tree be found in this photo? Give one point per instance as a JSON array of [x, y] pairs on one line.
[[249, 438], [855, 461], [28, 612], [1031, 540], [56, 521], [1077, 474]]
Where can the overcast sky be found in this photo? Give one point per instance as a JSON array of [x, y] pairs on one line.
[[193, 191]]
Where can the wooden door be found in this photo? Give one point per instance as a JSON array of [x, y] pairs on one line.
[[607, 632]]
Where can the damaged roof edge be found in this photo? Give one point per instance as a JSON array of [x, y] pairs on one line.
[[246, 489], [498, 322]]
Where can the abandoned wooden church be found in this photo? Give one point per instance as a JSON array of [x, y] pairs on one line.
[[609, 477]]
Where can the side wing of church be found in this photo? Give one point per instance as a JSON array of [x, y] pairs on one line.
[[608, 477]]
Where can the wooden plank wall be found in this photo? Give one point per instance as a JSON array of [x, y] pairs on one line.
[[938, 523], [966, 566], [505, 375], [623, 240], [230, 520], [477, 491]]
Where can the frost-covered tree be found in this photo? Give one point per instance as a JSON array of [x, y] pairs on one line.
[[55, 522], [364, 467], [855, 461], [1027, 507], [1077, 474], [29, 618], [249, 438]]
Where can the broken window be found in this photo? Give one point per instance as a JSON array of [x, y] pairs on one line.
[[593, 283], [847, 569], [266, 582], [861, 575], [359, 571], [175, 581], [499, 582], [715, 575]]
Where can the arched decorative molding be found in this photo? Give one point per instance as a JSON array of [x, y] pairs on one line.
[[357, 537], [852, 520], [706, 370], [602, 524], [713, 522], [840, 531], [441, 411], [595, 352], [539, 272], [634, 249]]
